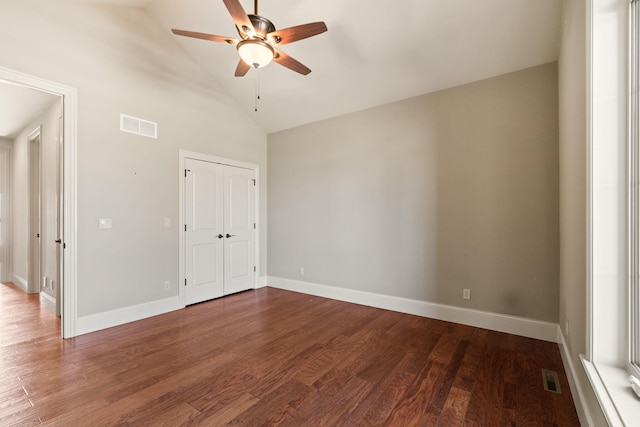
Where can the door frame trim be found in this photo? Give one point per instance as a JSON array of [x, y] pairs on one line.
[[184, 155], [69, 258]]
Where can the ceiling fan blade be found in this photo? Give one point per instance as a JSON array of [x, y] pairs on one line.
[[299, 32], [287, 61], [204, 36], [239, 16], [242, 68]]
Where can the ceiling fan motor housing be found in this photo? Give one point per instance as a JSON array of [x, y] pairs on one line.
[[261, 25]]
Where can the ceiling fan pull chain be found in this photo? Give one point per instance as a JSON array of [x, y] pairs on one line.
[[257, 88]]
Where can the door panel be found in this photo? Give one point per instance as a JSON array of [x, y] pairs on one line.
[[203, 214], [239, 218], [205, 271], [239, 254], [205, 195], [239, 190]]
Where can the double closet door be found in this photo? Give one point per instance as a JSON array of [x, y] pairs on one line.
[[220, 230]]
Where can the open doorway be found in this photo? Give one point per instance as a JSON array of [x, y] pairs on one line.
[[44, 168], [41, 198], [33, 212]]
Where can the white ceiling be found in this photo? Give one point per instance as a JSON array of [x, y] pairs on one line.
[[140, 4], [373, 53], [19, 106]]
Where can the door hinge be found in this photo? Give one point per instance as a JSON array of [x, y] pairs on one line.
[[254, 269], [185, 227], [254, 225], [185, 172], [254, 182], [185, 282]]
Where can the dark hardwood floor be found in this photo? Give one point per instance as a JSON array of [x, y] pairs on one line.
[[272, 357]]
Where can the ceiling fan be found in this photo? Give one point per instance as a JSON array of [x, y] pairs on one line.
[[259, 40]]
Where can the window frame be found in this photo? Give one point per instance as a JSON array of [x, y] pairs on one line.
[[633, 182], [609, 240]]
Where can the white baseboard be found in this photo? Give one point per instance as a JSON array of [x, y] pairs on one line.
[[537, 329], [582, 408], [109, 319], [21, 283], [48, 302], [262, 282]]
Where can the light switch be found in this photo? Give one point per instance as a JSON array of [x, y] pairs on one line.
[[167, 222], [105, 223]]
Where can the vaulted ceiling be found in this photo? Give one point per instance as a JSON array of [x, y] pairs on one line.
[[373, 53]]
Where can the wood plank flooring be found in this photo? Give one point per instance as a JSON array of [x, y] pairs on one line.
[[272, 357]]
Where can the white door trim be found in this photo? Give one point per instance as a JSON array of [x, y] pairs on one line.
[[68, 265], [185, 154]]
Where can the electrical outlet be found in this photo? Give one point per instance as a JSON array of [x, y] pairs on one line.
[[302, 271], [466, 293], [167, 285], [167, 222]]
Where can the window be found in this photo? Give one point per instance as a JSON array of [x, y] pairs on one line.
[[613, 207]]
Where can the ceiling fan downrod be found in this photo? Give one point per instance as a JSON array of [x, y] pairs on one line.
[[255, 6]]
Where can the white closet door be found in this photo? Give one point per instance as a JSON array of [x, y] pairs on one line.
[[239, 223], [204, 240]]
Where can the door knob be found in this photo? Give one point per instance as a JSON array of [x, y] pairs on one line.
[[230, 235], [220, 236], [59, 241]]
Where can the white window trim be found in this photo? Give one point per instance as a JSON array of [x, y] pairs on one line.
[[607, 234], [633, 209]]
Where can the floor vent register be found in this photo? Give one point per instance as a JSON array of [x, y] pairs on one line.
[[550, 381]]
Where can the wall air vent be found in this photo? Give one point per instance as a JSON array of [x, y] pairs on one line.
[[138, 126]]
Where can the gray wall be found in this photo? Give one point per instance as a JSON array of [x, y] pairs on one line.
[[122, 62], [573, 176], [19, 211], [424, 197], [5, 189]]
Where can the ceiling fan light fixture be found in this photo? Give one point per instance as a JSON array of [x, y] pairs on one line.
[[259, 38], [256, 53]]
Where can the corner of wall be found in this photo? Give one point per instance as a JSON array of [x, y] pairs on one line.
[[21, 283], [575, 384], [530, 328]]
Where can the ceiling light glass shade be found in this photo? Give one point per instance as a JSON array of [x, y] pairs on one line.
[[255, 53]]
